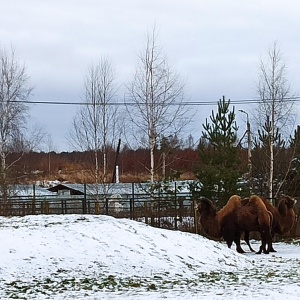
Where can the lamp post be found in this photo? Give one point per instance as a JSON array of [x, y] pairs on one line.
[[249, 148]]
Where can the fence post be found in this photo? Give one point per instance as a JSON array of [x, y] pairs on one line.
[[175, 201], [97, 208], [106, 204], [63, 206], [24, 209], [131, 203], [44, 207], [158, 207], [33, 200], [195, 216], [89, 207], [47, 208], [146, 211], [84, 200]]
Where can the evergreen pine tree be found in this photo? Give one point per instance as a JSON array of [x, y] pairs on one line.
[[292, 184], [218, 154]]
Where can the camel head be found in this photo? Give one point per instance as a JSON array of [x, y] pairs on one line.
[[288, 201], [206, 206], [208, 218], [286, 204]]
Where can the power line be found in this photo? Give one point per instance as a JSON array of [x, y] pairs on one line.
[[184, 103]]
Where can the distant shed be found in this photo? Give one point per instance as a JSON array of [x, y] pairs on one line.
[[67, 189]]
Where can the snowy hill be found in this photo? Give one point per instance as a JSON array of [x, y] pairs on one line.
[[100, 257]]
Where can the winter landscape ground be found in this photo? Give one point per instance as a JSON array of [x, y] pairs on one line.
[[100, 257]]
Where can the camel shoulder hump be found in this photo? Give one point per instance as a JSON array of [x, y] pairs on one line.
[[232, 205]]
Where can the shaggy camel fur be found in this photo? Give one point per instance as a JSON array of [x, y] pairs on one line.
[[283, 217], [234, 218], [209, 215], [222, 223], [254, 216]]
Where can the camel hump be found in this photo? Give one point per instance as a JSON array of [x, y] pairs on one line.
[[234, 202], [232, 205], [257, 202], [264, 215]]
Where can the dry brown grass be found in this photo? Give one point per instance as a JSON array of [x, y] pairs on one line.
[[85, 176]]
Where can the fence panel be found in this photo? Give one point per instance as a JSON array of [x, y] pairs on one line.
[[162, 210], [174, 212]]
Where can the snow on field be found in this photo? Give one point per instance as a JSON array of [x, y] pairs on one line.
[[100, 257]]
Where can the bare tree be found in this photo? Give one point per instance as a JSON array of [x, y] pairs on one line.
[[95, 126], [275, 104], [156, 96], [14, 92], [49, 148]]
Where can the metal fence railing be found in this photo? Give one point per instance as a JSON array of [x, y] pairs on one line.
[[172, 213], [163, 211]]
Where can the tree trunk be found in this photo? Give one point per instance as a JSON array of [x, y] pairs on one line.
[[152, 145]]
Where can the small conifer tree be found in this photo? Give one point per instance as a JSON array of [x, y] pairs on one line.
[[291, 185], [218, 171]]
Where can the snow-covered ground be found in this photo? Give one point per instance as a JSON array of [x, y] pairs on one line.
[[100, 257]]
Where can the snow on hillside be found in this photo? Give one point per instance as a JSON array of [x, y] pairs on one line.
[[100, 257]]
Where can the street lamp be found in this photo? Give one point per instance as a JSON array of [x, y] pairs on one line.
[[249, 148]]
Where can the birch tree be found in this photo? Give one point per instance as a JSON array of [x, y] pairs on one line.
[[275, 106], [156, 99], [14, 92], [95, 125]]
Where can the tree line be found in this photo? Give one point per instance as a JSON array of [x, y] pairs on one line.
[[77, 166]]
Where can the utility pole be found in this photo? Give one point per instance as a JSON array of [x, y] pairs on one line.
[[249, 149]]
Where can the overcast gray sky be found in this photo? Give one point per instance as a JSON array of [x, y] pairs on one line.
[[215, 45]]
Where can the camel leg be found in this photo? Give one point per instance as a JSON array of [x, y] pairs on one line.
[[230, 235], [263, 245], [237, 241], [260, 249], [238, 245], [270, 243], [265, 250], [247, 240], [271, 249], [239, 249], [229, 243], [267, 241]]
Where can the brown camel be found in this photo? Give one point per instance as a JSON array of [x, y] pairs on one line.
[[234, 218], [222, 223], [254, 216], [283, 217]]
